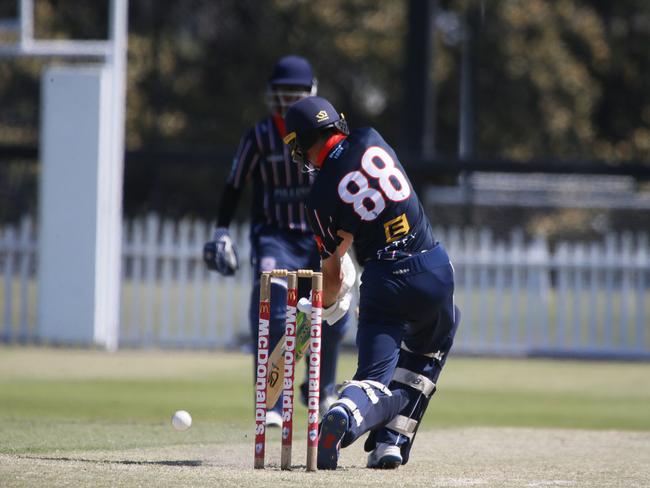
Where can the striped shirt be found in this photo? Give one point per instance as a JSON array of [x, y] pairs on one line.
[[279, 185]]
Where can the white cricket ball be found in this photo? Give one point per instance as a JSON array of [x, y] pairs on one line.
[[181, 420]]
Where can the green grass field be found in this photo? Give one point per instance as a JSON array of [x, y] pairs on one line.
[[60, 403]]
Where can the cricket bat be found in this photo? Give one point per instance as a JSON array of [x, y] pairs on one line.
[[276, 360]]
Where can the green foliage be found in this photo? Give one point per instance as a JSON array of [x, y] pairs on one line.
[[547, 75], [202, 79], [545, 80], [566, 78]]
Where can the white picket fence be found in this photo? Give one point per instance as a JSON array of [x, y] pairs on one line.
[[581, 299], [170, 299], [516, 297], [18, 262]]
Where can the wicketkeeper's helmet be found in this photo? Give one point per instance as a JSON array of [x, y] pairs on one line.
[[291, 80]]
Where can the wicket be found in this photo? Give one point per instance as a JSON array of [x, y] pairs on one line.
[[289, 366]]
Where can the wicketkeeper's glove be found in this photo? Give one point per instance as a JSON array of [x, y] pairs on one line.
[[220, 254]]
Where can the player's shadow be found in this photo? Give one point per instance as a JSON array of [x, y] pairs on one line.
[[181, 462]]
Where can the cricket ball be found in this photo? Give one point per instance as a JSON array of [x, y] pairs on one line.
[[181, 420]]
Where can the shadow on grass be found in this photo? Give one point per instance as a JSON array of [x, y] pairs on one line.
[[126, 462]]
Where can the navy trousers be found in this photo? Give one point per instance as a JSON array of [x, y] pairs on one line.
[[407, 322]]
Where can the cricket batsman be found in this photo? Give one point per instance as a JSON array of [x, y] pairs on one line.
[[280, 234], [361, 197]]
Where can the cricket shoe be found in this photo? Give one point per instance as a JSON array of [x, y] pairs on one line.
[[385, 456], [325, 404], [333, 428], [273, 419]]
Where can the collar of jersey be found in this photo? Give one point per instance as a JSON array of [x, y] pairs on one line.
[[279, 124], [327, 148]]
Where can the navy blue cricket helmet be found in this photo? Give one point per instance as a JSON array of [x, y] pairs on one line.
[[306, 120], [291, 79]]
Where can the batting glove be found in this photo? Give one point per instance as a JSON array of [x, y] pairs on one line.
[[349, 274], [220, 254], [340, 307], [331, 314]]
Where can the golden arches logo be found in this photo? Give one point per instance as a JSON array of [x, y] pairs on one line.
[[293, 295], [265, 308], [317, 296]]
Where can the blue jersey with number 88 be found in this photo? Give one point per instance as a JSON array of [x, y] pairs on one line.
[[362, 189]]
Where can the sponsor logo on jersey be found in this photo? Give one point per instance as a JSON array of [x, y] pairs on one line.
[[322, 116], [337, 152], [290, 195], [396, 228]]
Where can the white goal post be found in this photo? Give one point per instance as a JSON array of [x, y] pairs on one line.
[[80, 197]]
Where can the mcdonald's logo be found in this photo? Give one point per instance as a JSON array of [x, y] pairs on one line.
[[265, 308], [293, 295]]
